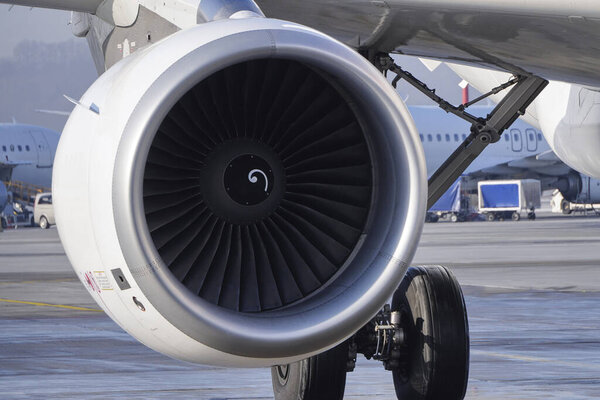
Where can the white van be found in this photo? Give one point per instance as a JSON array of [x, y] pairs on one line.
[[43, 213]]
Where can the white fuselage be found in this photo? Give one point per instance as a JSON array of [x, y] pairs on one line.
[[567, 114], [441, 133], [32, 146]]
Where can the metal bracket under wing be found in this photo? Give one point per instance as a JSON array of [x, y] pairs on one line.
[[483, 130]]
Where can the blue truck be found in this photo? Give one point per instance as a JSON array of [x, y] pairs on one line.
[[507, 199]]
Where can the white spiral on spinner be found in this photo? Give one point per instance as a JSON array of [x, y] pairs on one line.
[[254, 179]]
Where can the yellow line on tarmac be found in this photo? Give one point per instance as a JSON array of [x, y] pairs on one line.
[[33, 303]]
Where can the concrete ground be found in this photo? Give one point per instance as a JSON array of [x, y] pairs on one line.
[[532, 291]]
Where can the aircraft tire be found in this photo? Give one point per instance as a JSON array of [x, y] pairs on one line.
[[320, 377], [434, 317], [44, 223]]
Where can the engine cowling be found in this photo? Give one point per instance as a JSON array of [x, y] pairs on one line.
[[579, 188], [245, 192]]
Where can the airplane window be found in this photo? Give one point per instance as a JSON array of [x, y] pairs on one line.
[[531, 137], [438, 137], [540, 137], [516, 137], [27, 147], [429, 137], [422, 138], [506, 138], [3, 148], [456, 138], [447, 137], [464, 136], [12, 147], [20, 148]]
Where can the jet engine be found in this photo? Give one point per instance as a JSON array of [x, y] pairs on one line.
[[244, 192], [579, 188]]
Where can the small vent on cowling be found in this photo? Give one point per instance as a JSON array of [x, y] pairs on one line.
[[258, 185]]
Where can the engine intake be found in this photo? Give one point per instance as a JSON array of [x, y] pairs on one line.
[[259, 185]]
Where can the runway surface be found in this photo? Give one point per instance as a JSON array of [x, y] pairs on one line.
[[532, 291]]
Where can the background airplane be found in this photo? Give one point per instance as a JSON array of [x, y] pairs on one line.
[[27, 153], [522, 153], [26, 160]]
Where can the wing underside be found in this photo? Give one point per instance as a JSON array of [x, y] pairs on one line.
[[555, 39], [89, 6]]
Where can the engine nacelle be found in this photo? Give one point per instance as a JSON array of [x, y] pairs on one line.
[[569, 116], [579, 188], [245, 192]]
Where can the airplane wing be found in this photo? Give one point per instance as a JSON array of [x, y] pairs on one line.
[[12, 164], [552, 38], [540, 165], [89, 6], [54, 112], [555, 39], [7, 167]]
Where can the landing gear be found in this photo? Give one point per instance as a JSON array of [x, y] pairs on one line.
[[320, 377], [525, 88], [422, 338], [565, 207], [434, 318]]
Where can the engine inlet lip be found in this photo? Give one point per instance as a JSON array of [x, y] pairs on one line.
[[385, 252]]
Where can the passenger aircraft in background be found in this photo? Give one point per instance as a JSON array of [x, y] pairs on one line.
[[27, 153], [242, 187], [522, 153], [26, 159]]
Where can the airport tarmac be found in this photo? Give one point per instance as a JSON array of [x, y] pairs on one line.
[[532, 290]]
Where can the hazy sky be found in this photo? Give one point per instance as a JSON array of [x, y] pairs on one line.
[[24, 23]]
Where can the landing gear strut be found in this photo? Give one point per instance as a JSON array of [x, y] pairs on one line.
[[525, 88], [422, 338]]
